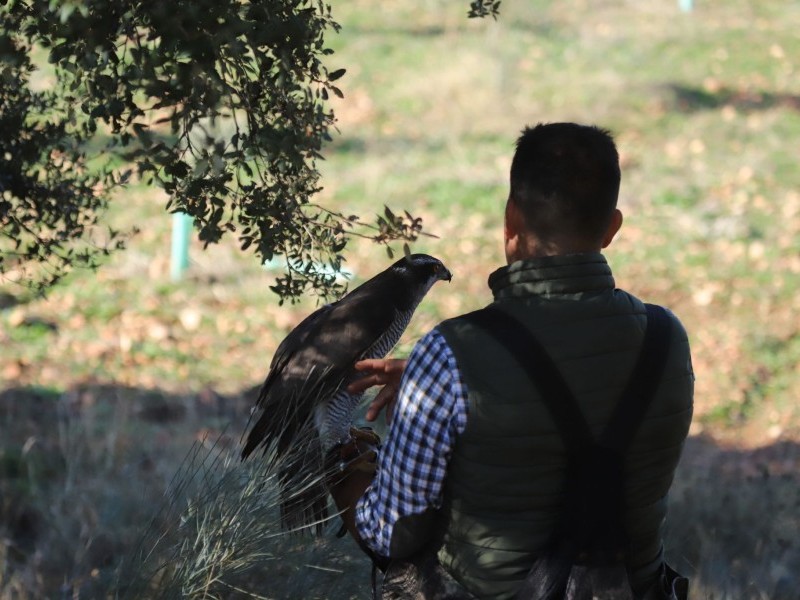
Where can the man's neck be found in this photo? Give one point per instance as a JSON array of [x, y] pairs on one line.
[[529, 247]]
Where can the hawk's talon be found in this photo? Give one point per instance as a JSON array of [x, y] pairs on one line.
[[358, 453], [365, 434]]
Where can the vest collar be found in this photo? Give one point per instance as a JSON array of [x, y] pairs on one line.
[[552, 275]]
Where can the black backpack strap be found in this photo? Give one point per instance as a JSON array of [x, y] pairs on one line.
[[555, 393], [638, 394], [541, 370], [590, 530]]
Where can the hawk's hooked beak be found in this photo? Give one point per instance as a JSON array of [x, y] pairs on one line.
[[445, 274]]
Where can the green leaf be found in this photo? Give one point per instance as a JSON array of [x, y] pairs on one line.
[[337, 74]]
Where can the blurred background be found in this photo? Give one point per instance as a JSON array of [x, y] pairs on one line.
[[107, 382]]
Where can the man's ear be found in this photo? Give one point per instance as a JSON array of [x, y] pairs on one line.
[[613, 227], [512, 225]]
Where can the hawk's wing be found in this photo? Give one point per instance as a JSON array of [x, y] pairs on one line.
[[316, 357]]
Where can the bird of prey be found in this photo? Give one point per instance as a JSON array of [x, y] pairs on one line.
[[304, 408]]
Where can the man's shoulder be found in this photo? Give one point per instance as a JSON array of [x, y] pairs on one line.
[[640, 306], [680, 350], [458, 325], [677, 327], [431, 348]]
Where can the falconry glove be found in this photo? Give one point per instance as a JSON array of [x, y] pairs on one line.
[[359, 453]]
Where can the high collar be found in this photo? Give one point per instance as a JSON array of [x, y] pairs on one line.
[[553, 276]]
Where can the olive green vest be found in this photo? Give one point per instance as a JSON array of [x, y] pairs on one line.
[[503, 490]]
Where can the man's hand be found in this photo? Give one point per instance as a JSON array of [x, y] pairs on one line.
[[380, 371]]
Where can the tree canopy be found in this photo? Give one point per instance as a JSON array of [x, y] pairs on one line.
[[222, 103]]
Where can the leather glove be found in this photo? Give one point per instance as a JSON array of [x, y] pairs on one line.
[[359, 453]]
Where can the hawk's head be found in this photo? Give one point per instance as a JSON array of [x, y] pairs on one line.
[[422, 269]]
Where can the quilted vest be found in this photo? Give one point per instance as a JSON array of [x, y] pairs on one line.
[[504, 487]]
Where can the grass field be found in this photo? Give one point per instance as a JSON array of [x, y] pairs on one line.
[[107, 383]]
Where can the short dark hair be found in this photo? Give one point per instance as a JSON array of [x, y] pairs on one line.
[[565, 180]]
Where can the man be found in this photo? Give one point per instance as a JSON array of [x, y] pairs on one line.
[[474, 465]]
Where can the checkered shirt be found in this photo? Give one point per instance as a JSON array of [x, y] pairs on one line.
[[431, 413]]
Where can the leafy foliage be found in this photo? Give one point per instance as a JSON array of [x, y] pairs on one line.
[[49, 202], [484, 8], [220, 102]]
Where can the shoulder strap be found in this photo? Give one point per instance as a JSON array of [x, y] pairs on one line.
[[638, 394], [541, 370], [555, 393]]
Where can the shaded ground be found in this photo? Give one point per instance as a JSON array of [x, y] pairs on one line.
[[82, 473], [734, 519]]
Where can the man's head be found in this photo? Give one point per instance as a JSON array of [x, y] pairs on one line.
[[564, 187]]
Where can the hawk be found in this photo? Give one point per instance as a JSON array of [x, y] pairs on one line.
[[304, 409]]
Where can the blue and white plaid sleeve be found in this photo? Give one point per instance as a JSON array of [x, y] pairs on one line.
[[431, 412]]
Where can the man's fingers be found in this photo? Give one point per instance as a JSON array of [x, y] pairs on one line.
[[382, 371], [395, 366], [372, 413], [385, 400], [375, 408], [386, 365], [371, 364], [391, 401], [364, 383], [379, 371], [377, 404]]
